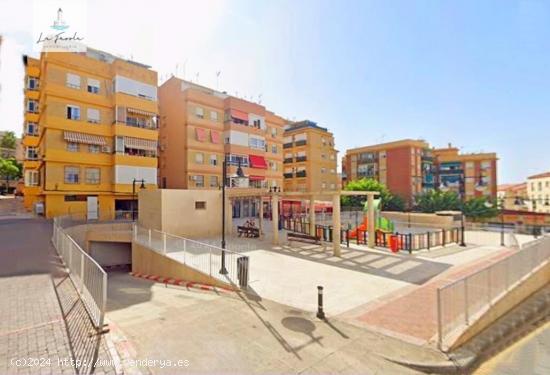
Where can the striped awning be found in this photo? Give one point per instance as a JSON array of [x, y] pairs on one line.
[[140, 112], [140, 144], [89, 139]]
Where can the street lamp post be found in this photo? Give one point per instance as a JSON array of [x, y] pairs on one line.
[[223, 270], [134, 195]]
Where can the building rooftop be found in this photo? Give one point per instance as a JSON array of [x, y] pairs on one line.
[[304, 125], [393, 144], [540, 175]]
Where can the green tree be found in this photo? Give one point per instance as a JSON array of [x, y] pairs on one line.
[[436, 200], [9, 170], [389, 201], [8, 141], [479, 208]]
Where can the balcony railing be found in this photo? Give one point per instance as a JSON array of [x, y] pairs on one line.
[[301, 158], [287, 175], [451, 171], [288, 160], [287, 145], [300, 143], [301, 174]]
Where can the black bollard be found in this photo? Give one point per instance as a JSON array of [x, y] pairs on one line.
[[320, 312]]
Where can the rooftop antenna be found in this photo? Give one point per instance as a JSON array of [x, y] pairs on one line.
[[197, 77], [260, 99], [177, 66], [184, 63], [218, 79]]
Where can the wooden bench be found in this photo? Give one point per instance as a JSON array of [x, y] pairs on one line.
[[300, 237], [248, 232]]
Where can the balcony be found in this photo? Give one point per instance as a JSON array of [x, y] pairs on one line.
[[300, 143], [287, 145], [300, 174], [451, 171], [427, 158], [288, 160], [301, 158], [287, 175]]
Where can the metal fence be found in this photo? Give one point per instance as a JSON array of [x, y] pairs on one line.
[[416, 241], [323, 232], [87, 275], [200, 256], [464, 301]]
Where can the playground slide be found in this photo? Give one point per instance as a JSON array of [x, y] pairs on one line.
[[382, 223]]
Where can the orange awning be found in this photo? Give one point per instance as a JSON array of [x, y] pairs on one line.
[[140, 144], [257, 162], [215, 136], [239, 114]]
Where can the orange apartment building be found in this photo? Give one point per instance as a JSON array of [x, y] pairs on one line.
[[199, 127], [409, 167], [90, 131], [405, 166]]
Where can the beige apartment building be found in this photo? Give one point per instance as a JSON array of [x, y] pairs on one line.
[[200, 127], [310, 158], [538, 191]]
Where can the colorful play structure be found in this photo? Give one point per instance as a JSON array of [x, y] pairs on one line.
[[382, 224]]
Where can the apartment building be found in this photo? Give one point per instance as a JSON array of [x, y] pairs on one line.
[[538, 191], [513, 196], [310, 158], [404, 166], [200, 127], [409, 167], [90, 133], [470, 175]]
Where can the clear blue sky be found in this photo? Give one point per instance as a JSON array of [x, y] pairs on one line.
[[474, 73]]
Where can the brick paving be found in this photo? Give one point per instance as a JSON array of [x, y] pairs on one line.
[[411, 313]]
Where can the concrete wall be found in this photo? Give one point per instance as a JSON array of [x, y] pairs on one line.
[[421, 219], [508, 302], [111, 253], [173, 211], [106, 232], [149, 262]]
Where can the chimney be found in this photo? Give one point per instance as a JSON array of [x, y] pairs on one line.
[[450, 145]]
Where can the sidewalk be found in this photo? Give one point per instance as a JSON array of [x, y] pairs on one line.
[[410, 313]]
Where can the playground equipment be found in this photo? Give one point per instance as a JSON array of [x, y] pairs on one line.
[[382, 224]]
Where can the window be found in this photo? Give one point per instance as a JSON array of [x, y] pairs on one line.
[[214, 181], [93, 175], [273, 149], [199, 180], [199, 158], [273, 132], [333, 171], [332, 186], [323, 170], [238, 159], [273, 165], [323, 185], [323, 156], [93, 115], [32, 128], [32, 83], [324, 141], [76, 198], [199, 112], [93, 86], [213, 160], [73, 112], [72, 147], [540, 185], [257, 143], [72, 175], [73, 81], [213, 115], [119, 145], [200, 205], [332, 157], [32, 178], [32, 153], [32, 106], [94, 149]]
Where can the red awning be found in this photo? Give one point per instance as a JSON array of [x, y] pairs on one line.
[[239, 114], [256, 178], [257, 162], [215, 137], [201, 134]]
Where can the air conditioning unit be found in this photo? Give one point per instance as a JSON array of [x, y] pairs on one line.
[[162, 147], [106, 149]]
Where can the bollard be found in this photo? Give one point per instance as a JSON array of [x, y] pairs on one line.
[[320, 312]]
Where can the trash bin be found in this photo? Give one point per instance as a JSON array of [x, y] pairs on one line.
[[242, 271], [394, 243]]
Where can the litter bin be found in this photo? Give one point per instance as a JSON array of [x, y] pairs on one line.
[[242, 271], [394, 243]]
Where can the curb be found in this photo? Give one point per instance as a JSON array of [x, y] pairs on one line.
[[179, 282]]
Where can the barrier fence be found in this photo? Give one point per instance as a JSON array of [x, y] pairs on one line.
[[87, 275], [462, 302], [400, 241], [203, 257]]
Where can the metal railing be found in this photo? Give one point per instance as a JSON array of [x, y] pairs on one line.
[[203, 257], [87, 275], [464, 301]]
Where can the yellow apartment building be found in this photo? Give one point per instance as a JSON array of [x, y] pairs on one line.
[[90, 133], [538, 192], [310, 159], [199, 127]]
